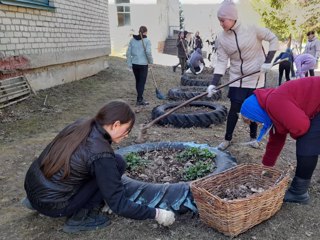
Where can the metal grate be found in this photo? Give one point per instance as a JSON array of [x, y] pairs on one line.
[[13, 90]]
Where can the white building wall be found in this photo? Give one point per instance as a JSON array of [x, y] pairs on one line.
[[76, 30], [202, 16], [162, 16], [156, 15]]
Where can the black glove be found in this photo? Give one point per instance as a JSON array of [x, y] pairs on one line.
[[216, 79]]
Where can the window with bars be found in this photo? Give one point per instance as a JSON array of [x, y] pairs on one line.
[[123, 12], [41, 4]]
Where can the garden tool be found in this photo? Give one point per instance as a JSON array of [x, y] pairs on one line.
[[144, 127], [158, 93]]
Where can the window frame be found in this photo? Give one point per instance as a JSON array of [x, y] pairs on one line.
[[124, 13], [45, 4]]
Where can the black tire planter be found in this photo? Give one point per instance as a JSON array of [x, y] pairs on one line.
[[196, 80], [185, 93], [201, 79], [187, 120], [175, 196], [223, 160]]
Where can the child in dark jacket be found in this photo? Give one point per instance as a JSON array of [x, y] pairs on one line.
[[196, 62], [285, 66]]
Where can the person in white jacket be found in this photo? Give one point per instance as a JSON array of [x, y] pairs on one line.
[[242, 46]]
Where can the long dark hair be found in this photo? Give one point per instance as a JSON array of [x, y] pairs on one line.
[[67, 141]]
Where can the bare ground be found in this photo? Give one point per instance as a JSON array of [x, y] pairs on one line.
[[27, 127]]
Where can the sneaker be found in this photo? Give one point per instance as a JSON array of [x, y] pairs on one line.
[[27, 204], [224, 145], [142, 103], [85, 220], [254, 143], [174, 68]]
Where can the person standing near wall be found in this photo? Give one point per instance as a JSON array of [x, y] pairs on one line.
[[313, 48], [196, 41], [242, 45], [182, 45], [138, 59]]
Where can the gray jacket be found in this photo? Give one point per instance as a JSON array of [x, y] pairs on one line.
[[313, 48]]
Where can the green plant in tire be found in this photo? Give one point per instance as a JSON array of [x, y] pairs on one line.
[[135, 161], [195, 154], [198, 170]]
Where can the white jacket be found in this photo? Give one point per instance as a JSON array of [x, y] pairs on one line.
[[243, 46], [313, 48]]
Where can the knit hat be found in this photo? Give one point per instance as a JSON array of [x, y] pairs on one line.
[[253, 111], [228, 10]]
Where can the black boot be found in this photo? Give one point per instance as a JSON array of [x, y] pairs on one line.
[[85, 220], [174, 68], [298, 191]]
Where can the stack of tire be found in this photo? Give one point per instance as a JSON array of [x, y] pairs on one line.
[[192, 85]]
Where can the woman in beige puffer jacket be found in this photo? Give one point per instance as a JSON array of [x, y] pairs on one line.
[[242, 46]]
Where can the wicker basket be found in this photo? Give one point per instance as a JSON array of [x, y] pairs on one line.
[[232, 217]]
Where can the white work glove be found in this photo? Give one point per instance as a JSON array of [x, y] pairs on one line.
[[106, 209], [164, 217], [211, 90], [266, 67], [129, 68]]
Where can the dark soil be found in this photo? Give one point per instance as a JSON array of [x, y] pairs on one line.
[[26, 128], [168, 166]]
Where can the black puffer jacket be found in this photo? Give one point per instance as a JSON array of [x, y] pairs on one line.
[[43, 191], [92, 159]]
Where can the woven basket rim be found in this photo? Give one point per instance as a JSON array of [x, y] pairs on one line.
[[284, 175], [238, 166], [252, 196]]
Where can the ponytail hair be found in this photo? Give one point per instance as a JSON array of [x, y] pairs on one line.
[[142, 30], [68, 140]]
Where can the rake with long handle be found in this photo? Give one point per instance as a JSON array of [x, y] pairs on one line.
[[159, 94], [144, 127]]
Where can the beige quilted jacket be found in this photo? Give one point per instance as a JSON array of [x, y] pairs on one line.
[[242, 45]]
